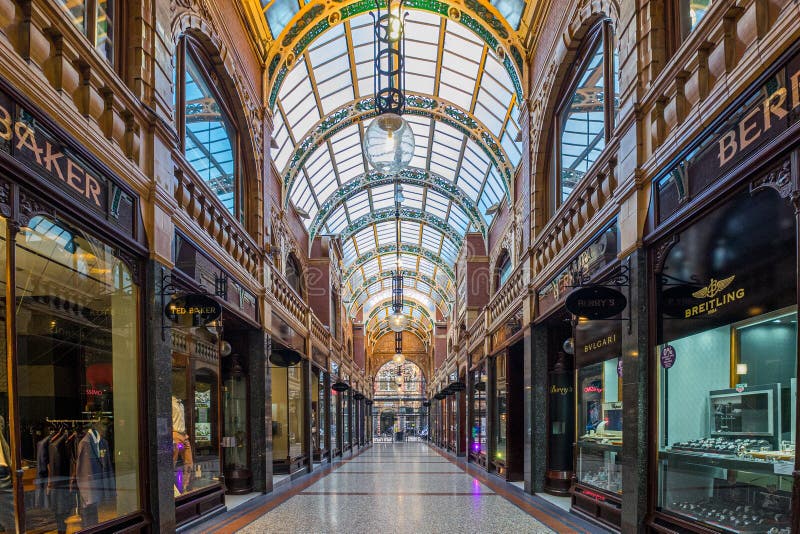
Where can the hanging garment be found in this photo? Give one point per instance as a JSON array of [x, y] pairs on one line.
[[58, 481], [94, 472], [42, 465]]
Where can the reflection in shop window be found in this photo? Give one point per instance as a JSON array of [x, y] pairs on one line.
[[77, 331]]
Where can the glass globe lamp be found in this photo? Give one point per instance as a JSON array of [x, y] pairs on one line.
[[397, 321], [389, 143], [398, 358]]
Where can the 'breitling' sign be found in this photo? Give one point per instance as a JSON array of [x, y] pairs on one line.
[[716, 297]]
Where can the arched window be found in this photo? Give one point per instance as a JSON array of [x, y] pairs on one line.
[[294, 274], [502, 269], [587, 111], [206, 129]]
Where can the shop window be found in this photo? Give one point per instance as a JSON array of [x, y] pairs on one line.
[[333, 396], [587, 112], [478, 430], [686, 15], [206, 128], [98, 21], [195, 401], [727, 367], [294, 274], [600, 426], [78, 380], [503, 270], [500, 410], [288, 424]]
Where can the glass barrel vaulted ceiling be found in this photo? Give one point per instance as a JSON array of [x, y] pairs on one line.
[[463, 109]]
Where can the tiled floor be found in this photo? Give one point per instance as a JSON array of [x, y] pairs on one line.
[[398, 488]]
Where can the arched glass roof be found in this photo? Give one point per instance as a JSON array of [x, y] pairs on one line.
[[466, 140]]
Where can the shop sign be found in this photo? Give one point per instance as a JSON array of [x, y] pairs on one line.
[[193, 309], [560, 390], [668, 356], [23, 138], [597, 302], [767, 111], [597, 254], [619, 368], [716, 296], [592, 389], [676, 299]]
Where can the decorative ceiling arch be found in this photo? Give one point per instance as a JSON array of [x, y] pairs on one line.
[[314, 19], [385, 250], [408, 305], [406, 214], [441, 297], [358, 111], [411, 176], [423, 338]]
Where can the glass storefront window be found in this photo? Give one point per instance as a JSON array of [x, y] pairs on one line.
[[288, 432], [479, 411], [346, 418], [500, 409], [235, 443], [600, 425], [77, 328], [195, 398], [727, 367], [334, 411], [318, 409]]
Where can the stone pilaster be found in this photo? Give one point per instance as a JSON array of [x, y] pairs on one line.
[[536, 415], [158, 352], [259, 345], [635, 384]]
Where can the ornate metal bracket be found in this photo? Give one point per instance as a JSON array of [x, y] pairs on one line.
[[620, 278]]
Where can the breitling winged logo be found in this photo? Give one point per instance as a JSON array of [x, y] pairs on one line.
[[714, 288]]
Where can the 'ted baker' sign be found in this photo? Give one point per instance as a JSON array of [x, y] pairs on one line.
[[35, 146], [194, 309]]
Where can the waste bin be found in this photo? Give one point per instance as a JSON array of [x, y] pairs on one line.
[[398, 436]]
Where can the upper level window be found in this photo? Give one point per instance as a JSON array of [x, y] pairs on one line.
[[294, 274], [503, 269], [587, 112], [96, 19], [205, 126], [689, 14]]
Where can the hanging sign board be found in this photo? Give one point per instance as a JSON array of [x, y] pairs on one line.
[[668, 356], [193, 309], [598, 302]]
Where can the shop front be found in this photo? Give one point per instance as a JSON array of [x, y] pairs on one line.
[[723, 256], [211, 355], [335, 411], [554, 324], [597, 486], [506, 416], [72, 417], [320, 405], [478, 434]]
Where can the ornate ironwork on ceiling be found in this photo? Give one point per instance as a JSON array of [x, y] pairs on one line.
[[442, 297]]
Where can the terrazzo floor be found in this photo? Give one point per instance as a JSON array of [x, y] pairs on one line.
[[396, 488]]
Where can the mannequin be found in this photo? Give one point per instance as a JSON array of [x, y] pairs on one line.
[[6, 489], [181, 447]]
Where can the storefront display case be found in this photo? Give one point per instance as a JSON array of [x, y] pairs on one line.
[[478, 430], [288, 421], [726, 365], [597, 489], [319, 408]]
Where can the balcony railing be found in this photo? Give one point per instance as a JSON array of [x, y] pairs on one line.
[[509, 294], [286, 297]]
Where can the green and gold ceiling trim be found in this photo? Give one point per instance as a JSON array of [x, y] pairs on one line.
[[421, 105], [405, 248], [315, 18], [411, 304], [441, 298], [406, 214], [411, 176]]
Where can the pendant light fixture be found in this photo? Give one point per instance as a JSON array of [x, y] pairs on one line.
[[389, 140], [398, 357], [397, 320]]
